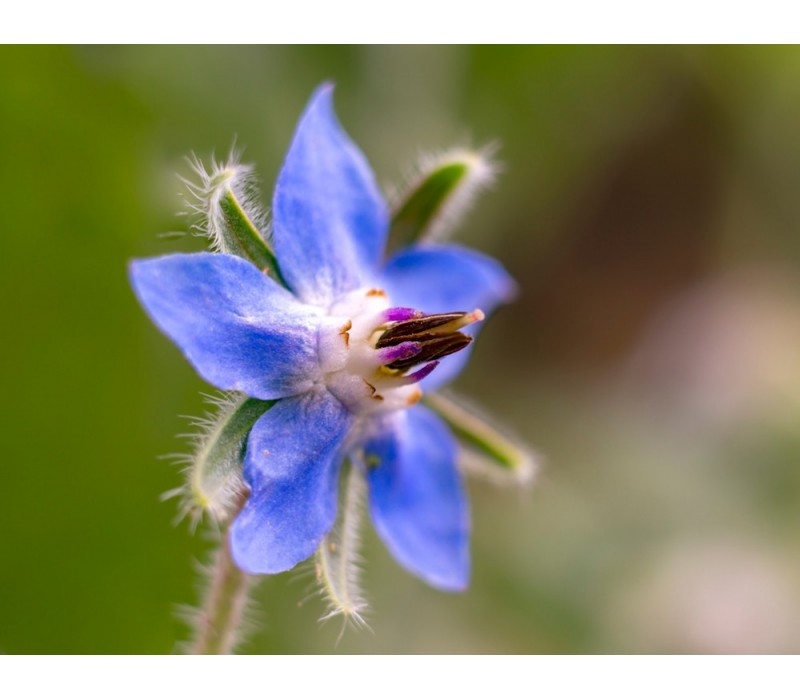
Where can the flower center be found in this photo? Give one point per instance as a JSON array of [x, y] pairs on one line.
[[373, 355]]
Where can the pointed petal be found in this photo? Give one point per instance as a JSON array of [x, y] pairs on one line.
[[329, 219], [237, 327], [292, 465], [442, 278], [417, 499]]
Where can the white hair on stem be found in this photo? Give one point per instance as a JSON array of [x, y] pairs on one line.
[[228, 615]]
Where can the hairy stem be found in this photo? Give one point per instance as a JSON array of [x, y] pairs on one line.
[[218, 626]]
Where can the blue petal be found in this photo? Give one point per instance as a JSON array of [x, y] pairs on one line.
[[330, 221], [291, 466], [237, 327], [417, 500], [441, 278]]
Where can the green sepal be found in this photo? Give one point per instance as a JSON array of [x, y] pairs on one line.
[[435, 198], [336, 559], [238, 235], [487, 447], [215, 477], [224, 202]]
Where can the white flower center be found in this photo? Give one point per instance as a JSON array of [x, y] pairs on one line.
[[353, 369]]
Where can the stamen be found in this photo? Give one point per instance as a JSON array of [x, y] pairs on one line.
[[434, 336], [414, 377], [416, 325], [465, 320], [400, 313], [423, 372], [373, 357], [433, 349], [398, 353]]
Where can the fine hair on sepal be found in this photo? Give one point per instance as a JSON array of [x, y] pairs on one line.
[[224, 205], [206, 186], [337, 560], [213, 469], [476, 465], [486, 450], [437, 192]]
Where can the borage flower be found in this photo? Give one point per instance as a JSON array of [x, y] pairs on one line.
[[345, 344]]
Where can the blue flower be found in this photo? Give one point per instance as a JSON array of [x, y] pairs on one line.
[[347, 347]]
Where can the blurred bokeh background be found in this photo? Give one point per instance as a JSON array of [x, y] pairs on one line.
[[649, 207]]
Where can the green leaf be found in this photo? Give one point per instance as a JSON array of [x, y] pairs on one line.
[[435, 199], [488, 450], [215, 480]]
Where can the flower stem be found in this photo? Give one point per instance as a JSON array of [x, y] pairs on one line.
[[218, 626]]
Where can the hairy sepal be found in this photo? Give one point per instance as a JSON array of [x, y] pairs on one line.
[[337, 559], [486, 450], [214, 476], [438, 193], [224, 202]]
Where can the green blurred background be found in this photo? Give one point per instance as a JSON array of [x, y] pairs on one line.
[[649, 208]]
